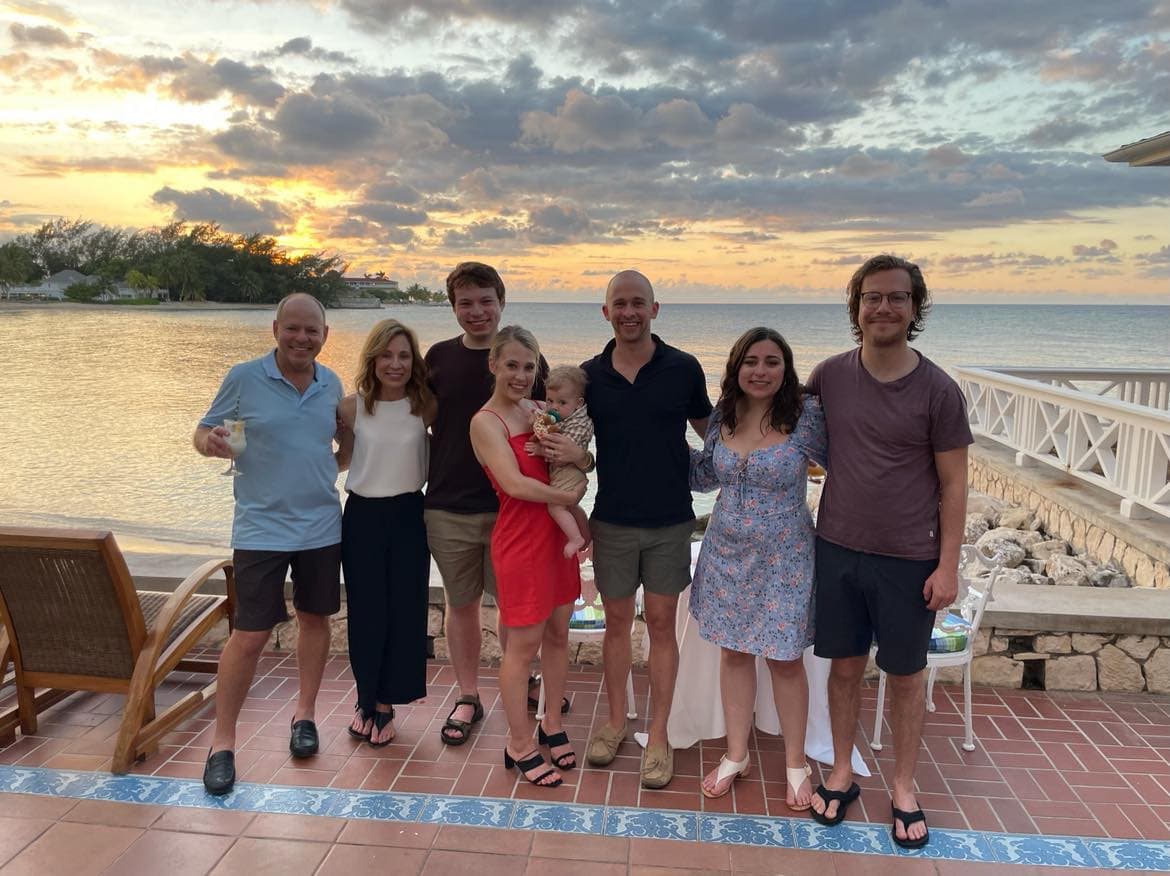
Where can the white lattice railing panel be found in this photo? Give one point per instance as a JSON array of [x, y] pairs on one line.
[[1109, 428]]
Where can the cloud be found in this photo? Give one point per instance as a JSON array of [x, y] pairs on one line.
[[389, 214], [1103, 251], [188, 78], [232, 212], [39, 9], [45, 36], [54, 167], [303, 47]]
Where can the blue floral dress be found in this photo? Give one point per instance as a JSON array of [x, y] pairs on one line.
[[753, 584]]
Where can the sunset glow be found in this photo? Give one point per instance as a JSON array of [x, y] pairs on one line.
[[731, 150]]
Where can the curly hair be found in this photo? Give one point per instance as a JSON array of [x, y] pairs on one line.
[[786, 404], [919, 294], [422, 400]]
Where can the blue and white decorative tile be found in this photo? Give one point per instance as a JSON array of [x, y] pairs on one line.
[[1056, 851], [746, 830], [561, 818], [31, 780], [866, 839], [651, 824], [287, 800], [953, 845], [192, 795], [126, 789], [467, 810], [386, 806], [1131, 854]]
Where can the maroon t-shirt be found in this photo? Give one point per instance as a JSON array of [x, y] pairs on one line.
[[462, 383], [881, 495]]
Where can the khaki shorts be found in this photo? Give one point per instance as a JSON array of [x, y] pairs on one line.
[[626, 556], [461, 545]]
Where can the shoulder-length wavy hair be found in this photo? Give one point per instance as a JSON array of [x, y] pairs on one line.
[[919, 294], [786, 404], [367, 384]]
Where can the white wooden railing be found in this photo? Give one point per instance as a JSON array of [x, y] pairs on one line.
[[1109, 427]]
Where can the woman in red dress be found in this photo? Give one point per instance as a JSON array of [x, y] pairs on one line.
[[536, 584]]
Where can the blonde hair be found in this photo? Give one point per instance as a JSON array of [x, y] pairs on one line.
[[422, 400], [568, 375], [514, 334]]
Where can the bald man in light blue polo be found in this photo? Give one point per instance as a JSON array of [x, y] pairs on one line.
[[287, 514]]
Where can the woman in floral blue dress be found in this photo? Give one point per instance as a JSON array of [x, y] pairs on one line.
[[752, 593]]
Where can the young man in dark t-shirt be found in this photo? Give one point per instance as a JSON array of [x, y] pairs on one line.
[[641, 394], [890, 523], [460, 505]]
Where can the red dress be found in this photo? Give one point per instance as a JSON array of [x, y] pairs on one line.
[[532, 575]]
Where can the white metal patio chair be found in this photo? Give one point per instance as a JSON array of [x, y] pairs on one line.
[[971, 606]]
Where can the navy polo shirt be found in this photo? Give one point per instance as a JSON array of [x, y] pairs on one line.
[[643, 460]]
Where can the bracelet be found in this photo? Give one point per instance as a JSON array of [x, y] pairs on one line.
[[590, 463]]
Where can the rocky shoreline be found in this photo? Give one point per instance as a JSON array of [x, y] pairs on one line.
[[1015, 538]]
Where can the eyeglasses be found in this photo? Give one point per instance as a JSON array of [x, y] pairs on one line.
[[874, 299]]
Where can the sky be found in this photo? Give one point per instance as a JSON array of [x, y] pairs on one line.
[[734, 150]]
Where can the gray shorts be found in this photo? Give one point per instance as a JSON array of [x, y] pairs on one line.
[[625, 556], [461, 545]]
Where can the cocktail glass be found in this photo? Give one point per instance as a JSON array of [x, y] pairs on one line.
[[237, 441]]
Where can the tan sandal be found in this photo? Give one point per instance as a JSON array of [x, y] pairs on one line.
[[727, 769], [797, 776], [657, 766], [604, 745]]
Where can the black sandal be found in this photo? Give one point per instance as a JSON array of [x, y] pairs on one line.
[[381, 719], [366, 716], [463, 728], [534, 702], [532, 763], [907, 819], [843, 798], [555, 741]]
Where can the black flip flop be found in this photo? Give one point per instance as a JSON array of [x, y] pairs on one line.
[[907, 819], [843, 798]]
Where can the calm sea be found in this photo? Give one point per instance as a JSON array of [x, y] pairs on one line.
[[99, 404]]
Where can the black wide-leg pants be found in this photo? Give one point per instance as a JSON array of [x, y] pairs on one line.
[[387, 567]]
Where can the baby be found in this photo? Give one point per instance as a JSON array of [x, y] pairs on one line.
[[565, 413]]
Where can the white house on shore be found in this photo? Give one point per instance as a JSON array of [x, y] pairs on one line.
[[358, 284], [53, 289]]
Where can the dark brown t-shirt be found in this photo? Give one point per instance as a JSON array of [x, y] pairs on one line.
[[881, 495], [462, 383]]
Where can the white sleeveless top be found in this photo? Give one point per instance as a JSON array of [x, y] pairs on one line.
[[390, 448]]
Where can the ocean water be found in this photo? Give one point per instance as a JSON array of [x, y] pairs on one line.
[[99, 404]]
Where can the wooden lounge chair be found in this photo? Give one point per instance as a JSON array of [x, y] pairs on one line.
[[75, 623]]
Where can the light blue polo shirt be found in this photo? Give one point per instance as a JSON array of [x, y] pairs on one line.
[[286, 494]]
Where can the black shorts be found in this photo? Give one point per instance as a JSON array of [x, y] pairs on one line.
[[862, 598], [260, 575]]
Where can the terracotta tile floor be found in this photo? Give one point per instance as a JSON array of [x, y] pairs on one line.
[[1089, 765]]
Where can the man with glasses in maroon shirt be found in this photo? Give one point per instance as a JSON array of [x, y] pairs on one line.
[[890, 523]]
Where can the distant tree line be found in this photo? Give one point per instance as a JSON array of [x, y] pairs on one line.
[[193, 262], [412, 294]]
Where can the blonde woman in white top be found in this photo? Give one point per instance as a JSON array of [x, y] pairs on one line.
[[383, 539]]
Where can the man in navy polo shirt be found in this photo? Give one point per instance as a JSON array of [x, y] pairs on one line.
[[641, 394], [287, 514]]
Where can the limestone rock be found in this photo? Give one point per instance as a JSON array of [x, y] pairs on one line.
[[997, 671], [1055, 644], [441, 652], [949, 675], [1088, 643], [1107, 576], [1138, 647], [1116, 670], [1042, 550], [434, 621], [1071, 673], [982, 643], [976, 526], [1015, 518], [490, 648], [997, 644], [1003, 546], [589, 652], [1157, 671], [1032, 564], [988, 507], [1067, 571]]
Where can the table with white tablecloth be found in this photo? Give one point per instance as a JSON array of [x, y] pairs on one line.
[[697, 710]]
